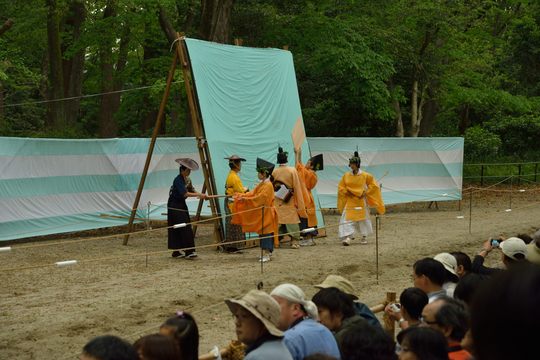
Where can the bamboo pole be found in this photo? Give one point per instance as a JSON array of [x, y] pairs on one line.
[[157, 126], [470, 212], [389, 324], [377, 247], [204, 154]]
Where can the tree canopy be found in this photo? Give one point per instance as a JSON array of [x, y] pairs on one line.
[[75, 68]]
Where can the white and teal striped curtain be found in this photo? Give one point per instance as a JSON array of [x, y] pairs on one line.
[[52, 186], [410, 169]]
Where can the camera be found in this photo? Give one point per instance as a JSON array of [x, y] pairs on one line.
[[495, 242], [395, 307]]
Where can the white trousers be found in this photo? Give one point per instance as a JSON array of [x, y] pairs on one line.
[[350, 227]]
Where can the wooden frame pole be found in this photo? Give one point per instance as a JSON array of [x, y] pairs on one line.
[[202, 145], [157, 126]]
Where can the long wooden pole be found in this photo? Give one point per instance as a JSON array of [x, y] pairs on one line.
[[157, 126], [377, 221], [470, 212], [202, 145]]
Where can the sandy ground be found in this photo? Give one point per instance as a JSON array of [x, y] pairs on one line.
[[50, 313]]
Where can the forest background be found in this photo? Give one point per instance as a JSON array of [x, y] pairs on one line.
[[97, 69]]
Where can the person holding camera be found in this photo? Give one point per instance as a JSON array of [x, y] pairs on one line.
[[408, 311], [513, 249]]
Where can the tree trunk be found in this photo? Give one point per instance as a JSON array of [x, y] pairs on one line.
[[417, 108], [6, 26], [414, 108], [74, 67], [398, 118], [464, 121], [56, 81], [431, 110], [190, 14], [165, 25], [215, 20], [150, 110], [107, 125], [2, 121]]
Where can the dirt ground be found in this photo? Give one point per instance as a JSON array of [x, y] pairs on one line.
[[48, 312]]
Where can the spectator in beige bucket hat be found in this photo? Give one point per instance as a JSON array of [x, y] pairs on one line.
[[256, 317], [346, 286]]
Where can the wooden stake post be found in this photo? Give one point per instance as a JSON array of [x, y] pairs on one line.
[[180, 53]]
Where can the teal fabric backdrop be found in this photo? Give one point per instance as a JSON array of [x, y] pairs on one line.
[[249, 104], [50, 186]]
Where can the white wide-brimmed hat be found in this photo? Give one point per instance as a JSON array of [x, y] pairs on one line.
[[189, 163]]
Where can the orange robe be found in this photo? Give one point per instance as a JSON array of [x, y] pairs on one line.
[[308, 178], [288, 212], [352, 190], [252, 221]]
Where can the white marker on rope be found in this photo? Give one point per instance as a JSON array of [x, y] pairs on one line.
[[66, 263], [358, 208], [508, 210], [521, 190], [308, 230], [181, 225], [445, 194], [5, 249], [460, 217]]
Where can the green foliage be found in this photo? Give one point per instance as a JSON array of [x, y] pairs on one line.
[[476, 64], [519, 135], [481, 144]]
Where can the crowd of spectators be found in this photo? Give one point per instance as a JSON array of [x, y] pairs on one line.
[[456, 309]]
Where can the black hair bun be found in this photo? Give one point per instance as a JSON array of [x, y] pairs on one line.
[[356, 154], [280, 149]]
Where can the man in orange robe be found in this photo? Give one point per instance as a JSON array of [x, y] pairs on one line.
[[255, 210], [291, 207], [308, 179], [357, 191]]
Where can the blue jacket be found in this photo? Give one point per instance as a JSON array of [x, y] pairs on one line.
[[309, 337]]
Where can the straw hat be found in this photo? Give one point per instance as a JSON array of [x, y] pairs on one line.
[[338, 282], [189, 163], [262, 306]]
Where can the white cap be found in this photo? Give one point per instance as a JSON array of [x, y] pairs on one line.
[[448, 260], [514, 246], [294, 294]]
